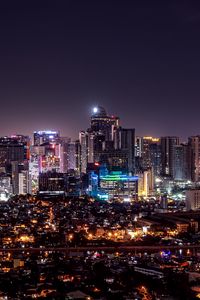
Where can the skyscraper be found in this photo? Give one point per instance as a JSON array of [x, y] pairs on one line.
[[127, 143], [106, 142], [83, 139], [181, 162], [194, 144], [102, 123], [167, 154]]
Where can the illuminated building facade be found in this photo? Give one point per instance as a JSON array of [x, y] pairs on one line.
[[52, 182], [20, 177], [145, 183], [24, 182], [34, 170], [5, 187], [83, 139], [107, 143], [151, 153], [119, 186], [45, 136]]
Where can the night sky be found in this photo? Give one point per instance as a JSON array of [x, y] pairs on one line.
[[139, 59]]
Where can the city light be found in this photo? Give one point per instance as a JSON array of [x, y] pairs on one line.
[[108, 207], [95, 110]]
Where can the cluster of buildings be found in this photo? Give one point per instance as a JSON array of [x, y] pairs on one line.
[[106, 162]]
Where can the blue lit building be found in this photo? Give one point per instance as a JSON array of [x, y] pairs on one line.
[[114, 185], [117, 185]]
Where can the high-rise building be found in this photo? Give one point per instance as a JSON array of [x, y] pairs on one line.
[[181, 162], [34, 170], [52, 183], [119, 186], [106, 142], [83, 139], [24, 182], [167, 154], [194, 144], [127, 144], [150, 152], [138, 146], [20, 177], [155, 157], [77, 156], [5, 187], [12, 149], [102, 123], [45, 136]]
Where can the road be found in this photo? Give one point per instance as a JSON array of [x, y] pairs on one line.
[[106, 248]]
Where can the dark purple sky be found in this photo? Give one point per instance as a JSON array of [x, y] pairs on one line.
[[139, 59]]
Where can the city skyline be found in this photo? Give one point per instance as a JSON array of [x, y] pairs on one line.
[[100, 149], [139, 60], [76, 136]]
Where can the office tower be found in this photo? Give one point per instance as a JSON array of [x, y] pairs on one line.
[[24, 140], [100, 144], [146, 157], [20, 177], [63, 147], [24, 182], [77, 157], [150, 155], [45, 136], [34, 170], [120, 153], [83, 139], [167, 154], [90, 146], [194, 144], [106, 142], [73, 184], [62, 152], [101, 133], [71, 156], [155, 157], [150, 147], [12, 150], [127, 144], [181, 162], [102, 123]]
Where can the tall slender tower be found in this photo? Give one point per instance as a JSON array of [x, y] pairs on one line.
[[167, 154]]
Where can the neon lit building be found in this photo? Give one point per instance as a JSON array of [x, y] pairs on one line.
[[119, 186]]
